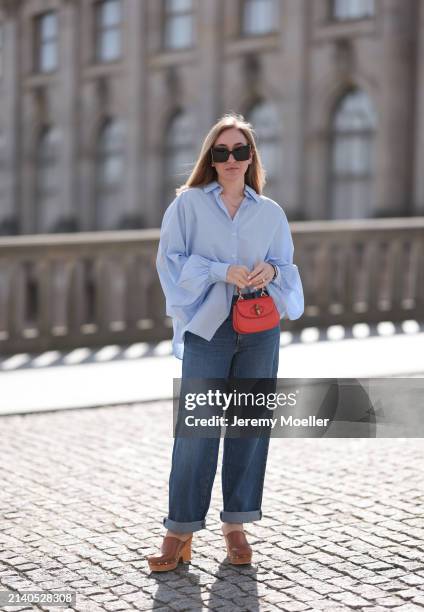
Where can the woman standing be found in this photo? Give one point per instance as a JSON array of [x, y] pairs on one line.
[[218, 236]]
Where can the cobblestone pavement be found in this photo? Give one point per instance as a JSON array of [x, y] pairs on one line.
[[83, 494]]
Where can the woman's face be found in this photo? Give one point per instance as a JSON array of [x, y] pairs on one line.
[[231, 170]]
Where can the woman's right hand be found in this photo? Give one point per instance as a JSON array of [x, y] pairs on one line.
[[238, 275]]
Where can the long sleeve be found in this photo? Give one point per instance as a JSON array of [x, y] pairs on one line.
[[185, 279], [288, 285]]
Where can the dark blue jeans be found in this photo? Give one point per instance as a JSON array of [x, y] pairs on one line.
[[194, 460]]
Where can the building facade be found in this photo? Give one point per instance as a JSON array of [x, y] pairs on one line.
[[104, 105]]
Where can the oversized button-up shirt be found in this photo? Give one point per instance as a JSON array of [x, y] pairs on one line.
[[199, 241]]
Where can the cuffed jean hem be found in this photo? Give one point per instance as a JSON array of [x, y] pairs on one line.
[[183, 527], [240, 517]]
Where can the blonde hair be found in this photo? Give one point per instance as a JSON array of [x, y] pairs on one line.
[[203, 173]]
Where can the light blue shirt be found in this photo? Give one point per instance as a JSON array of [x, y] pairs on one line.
[[199, 241]]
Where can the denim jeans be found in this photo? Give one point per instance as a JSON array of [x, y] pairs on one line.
[[194, 460]]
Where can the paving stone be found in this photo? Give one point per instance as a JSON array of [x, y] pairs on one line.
[[294, 606], [412, 579], [390, 602], [409, 607], [410, 593], [116, 606], [350, 599]]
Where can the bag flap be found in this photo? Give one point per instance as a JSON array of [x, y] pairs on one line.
[[254, 308]]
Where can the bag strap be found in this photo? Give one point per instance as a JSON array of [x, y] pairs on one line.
[[241, 297]]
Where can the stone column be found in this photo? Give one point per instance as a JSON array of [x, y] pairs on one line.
[[134, 24], [418, 197], [294, 51], [10, 212], [394, 159], [208, 40], [66, 109]]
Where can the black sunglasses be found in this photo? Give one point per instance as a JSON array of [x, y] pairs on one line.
[[221, 154]]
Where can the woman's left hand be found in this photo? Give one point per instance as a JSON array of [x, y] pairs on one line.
[[261, 275]]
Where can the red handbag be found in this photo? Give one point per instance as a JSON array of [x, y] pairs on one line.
[[252, 315]]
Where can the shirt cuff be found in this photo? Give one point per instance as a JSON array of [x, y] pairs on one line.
[[218, 271]]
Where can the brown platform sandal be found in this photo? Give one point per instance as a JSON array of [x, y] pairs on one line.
[[173, 551], [238, 548]]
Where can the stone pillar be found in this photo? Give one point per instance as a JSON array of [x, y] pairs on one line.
[[208, 39], [395, 117], [418, 197], [294, 44], [10, 213], [66, 109], [134, 24]]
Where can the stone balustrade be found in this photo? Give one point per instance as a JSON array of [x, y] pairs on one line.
[[64, 291]]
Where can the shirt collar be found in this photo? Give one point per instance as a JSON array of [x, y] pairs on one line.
[[247, 190]]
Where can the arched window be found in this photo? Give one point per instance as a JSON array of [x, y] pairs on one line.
[[267, 125], [352, 9], [352, 157], [110, 172], [259, 16], [178, 24], [47, 179], [47, 42], [178, 153], [108, 30]]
